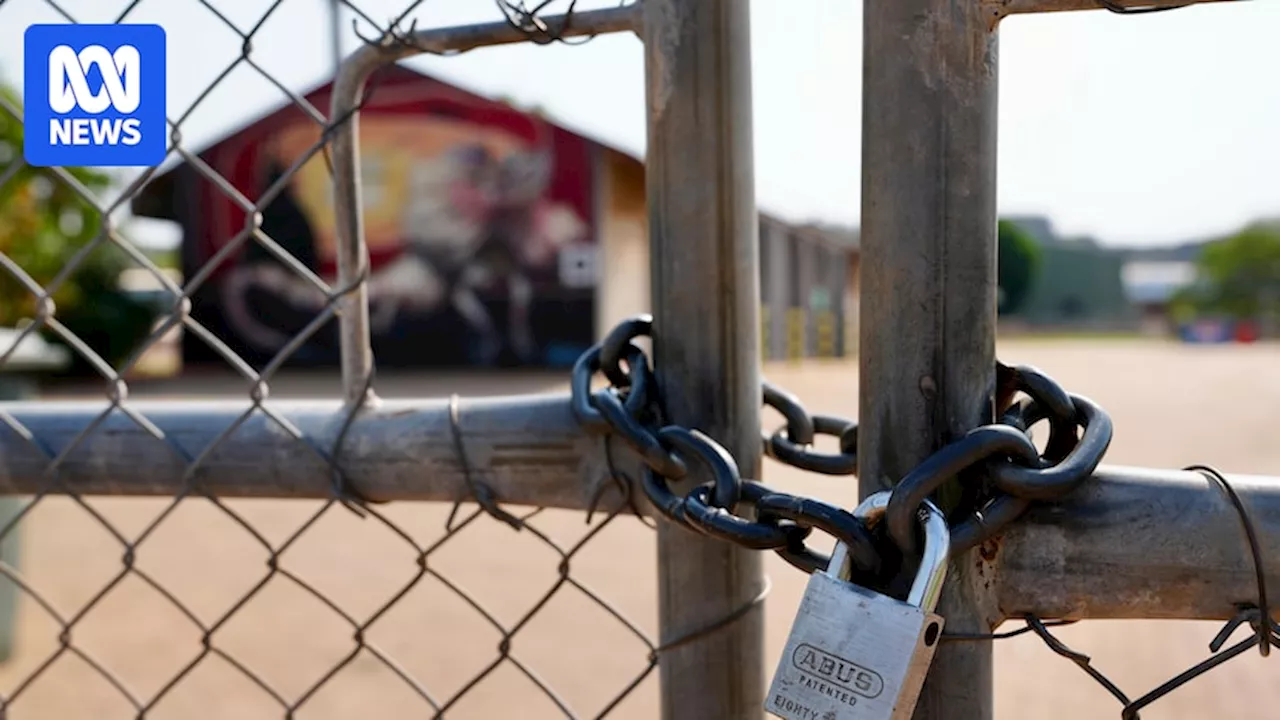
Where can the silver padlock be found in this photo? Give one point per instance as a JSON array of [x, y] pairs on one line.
[[854, 654]]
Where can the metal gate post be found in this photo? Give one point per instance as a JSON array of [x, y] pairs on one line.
[[928, 313], [703, 231]]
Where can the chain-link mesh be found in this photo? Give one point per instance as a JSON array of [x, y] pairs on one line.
[[199, 606]]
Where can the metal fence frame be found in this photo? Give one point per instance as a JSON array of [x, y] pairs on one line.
[[929, 217], [928, 334]]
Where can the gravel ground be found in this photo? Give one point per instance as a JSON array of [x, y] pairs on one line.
[[1225, 399]]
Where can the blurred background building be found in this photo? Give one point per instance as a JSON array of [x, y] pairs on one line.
[[491, 231]]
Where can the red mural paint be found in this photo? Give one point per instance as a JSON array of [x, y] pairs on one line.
[[480, 221]]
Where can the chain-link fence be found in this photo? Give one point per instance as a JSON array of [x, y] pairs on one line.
[[199, 604], [268, 572]]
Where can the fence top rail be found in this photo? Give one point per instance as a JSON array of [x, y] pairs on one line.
[[1141, 543], [1116, 548], [528, 450]]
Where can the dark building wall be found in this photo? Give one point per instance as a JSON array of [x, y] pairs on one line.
[[1079, 284], [480, 221]]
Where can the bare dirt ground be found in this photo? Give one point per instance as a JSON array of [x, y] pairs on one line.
[[1172, 405]]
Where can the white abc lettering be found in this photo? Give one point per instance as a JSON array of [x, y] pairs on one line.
[[95, 131], [69, 86]]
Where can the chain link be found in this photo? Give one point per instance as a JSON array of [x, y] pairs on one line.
[[778, 521], [999, 463]]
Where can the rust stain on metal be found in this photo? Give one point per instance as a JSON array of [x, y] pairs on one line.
[[987, 553], [994, 11], [989, 550], [940, 41]]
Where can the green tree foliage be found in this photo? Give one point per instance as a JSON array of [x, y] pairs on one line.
[[1239, 275], [45, 222], [1020, 258]]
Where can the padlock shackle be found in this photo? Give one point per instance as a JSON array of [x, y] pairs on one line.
[[926, 589]]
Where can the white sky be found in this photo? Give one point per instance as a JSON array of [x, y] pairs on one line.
[[1138, 130]]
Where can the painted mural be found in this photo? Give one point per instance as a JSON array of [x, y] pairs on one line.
[[479, 222]]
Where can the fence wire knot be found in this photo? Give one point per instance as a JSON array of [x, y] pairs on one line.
[[481, 492], [530, 22], [537, 29]]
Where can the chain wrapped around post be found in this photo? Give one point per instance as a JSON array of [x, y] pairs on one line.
[[1000, 465]]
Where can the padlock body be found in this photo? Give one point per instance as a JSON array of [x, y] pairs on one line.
[[853, 654]]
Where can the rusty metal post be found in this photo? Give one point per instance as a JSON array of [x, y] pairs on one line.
[[929, 280], [703, 233]]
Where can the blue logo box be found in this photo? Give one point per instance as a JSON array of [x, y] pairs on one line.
[[94, 95]]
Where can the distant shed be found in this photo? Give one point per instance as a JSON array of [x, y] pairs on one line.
[[496, 237]]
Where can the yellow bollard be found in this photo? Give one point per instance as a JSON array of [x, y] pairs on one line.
[[796, 318], [826, 330]]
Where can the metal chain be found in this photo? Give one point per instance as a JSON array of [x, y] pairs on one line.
[[792, 443], [630, 409], [1002, 469], [1003, 456], [999, 464]]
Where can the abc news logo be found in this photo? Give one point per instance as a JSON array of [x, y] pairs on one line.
[[95, 95], [69, 89]]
